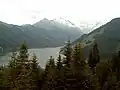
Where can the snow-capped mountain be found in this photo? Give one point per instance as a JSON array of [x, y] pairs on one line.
[[63, 21], [58, 23], [85, 27]]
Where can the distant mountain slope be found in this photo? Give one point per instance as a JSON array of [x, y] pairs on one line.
[[45, 33], [107, 37]]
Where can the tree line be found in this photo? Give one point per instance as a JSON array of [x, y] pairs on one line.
[[71, 72]]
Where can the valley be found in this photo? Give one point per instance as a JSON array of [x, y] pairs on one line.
[[45, 33], [43, 54], [59, 44]]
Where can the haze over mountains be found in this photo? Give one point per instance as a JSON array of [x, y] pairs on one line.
[[45, 33], [53, 33]]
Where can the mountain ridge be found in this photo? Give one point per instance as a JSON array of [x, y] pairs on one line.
[[11, 36], [107, 36]]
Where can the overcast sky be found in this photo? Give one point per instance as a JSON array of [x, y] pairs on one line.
[[30, 11]]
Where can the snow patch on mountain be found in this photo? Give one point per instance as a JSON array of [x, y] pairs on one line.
[[65, 22], [85, 27]]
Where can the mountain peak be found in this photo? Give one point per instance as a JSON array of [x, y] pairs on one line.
[[64, 21], [41, 22], [58, 21]]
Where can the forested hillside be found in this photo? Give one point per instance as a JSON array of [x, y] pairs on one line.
[[71, 72], [107, 36]]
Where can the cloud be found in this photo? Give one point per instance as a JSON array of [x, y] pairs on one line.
[[30, 11], [35, 11]]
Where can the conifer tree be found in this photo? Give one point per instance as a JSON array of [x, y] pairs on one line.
[[103, 69], [79, 66], [20, 72], [2, 77], [111, 83], [69, 78], [44, 77], [115, 65], [13, 72], [49, 75], [70, 81], [78, 60], [46, 70], [90, 59], [59, 63], [35, 73], [94, 57], [23, 81], [59, 74], [67, 54]]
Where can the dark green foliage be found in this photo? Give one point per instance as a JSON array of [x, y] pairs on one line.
[[111, 83], [2, 77], [103, 70], [79, 66], [69, 77], [116, 65], [107, 36], [49, 75], [59, 63], [90, 59], [78, 60], [13, 72], [59, 74], [70, 80], [70, 73], [23, 73], [67, 54], [23, 78], [52, 62], [94, 57], [35, 73]]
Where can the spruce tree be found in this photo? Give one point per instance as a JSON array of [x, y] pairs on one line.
[[94, 57], [49, 75], [115, 65], [59, 74], [90, 59], [69, 78], [35, 73], [20, 72], [79, 67], [59, 63], [103, 69], [2, 77], [78, 60], [67, 53], [44, 77], [13, 72], [23, 81]]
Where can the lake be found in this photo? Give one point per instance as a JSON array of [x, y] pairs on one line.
[[43, 54]]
